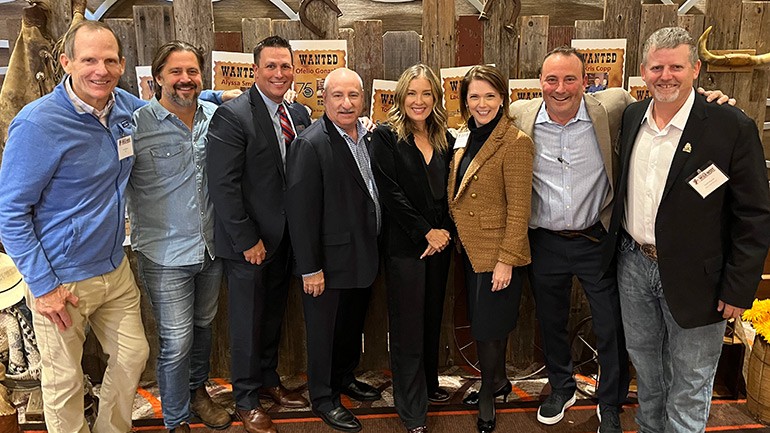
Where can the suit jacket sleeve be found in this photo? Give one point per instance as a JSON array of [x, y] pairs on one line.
[[225, 159], [392, 196], [750, 214], [517, 179], [305, 205]]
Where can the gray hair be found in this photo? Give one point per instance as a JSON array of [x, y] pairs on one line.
[[670, 37]]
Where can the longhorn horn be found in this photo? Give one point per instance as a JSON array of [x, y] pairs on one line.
[[729, 59]]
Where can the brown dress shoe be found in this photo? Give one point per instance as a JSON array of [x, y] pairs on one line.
[[282, 396], [256, 420], [211, 414]]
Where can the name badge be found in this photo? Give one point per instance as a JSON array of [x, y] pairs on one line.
[[125, 147], [708, 180], [462, 139]]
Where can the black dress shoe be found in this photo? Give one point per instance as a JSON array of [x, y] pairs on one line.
[[340, 418], [361, 391], [438, 396], [472, 399], [486, 426]]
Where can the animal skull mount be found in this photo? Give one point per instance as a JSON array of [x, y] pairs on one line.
[[730, 60]]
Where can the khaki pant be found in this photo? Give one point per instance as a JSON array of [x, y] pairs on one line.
[[109, 303]]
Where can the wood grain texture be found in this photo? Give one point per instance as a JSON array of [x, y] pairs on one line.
[[348, 35], [589, 29], [621, 20], [654, 17], [725, 17], [559, 36], [194, 23], [367, 54], [533, 44], [324, 18], [501, 42], [153, 26], [254, 30], [438, 33], [228, 41], [470, 41], [124, 29], [400, 50], [751, 89]]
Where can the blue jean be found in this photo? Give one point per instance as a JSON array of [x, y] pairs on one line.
[[184, 301], [675, 367]]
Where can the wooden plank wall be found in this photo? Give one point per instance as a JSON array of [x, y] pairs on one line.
[[516, 46]]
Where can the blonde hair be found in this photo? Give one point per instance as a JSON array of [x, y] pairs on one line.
[[436, 121]]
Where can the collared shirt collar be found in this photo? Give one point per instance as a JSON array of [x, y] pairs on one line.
[[160, 112], [582, 114], [272, 106], [679, 121], [82, 107], [359, 129]]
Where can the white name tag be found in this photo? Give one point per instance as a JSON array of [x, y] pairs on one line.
[[708, 180], [125, 147], [462, 139]]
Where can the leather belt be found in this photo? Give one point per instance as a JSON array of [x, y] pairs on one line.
[[584, 233], [648, 250]]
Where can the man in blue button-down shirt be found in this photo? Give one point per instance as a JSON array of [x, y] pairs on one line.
[[172, 231]]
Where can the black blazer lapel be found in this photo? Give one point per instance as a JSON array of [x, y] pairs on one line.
[[691, 134], [264, 124], [341, 149]]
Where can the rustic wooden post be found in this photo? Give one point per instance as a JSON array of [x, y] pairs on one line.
[[621, 20], [400, 50], [60, 17], [654, 17], [288, 29], [438, 33], [323, 17], [470, 41], [194, 23], [589, 29], [533, 46], [501, 36], [254, 30], [367, 52], [751, 88], [153, 27], [692, 23], [349, 36], [725, 16], [124, 30], [559, 36]]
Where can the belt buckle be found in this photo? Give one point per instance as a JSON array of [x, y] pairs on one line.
[[649, 251]]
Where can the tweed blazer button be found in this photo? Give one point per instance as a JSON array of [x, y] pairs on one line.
[[471, 213], [475, 177], [473, 195]]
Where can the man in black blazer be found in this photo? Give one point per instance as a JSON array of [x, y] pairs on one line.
[[334, 219], [694, 207], [247, 143]]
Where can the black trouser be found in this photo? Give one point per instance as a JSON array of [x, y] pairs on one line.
[[555, 260], [256, 304], [416, 291], [333, 322]]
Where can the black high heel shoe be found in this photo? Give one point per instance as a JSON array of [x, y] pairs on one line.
[[472, 399], [486, 426]]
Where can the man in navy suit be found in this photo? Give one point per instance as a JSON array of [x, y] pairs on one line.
[[693, 217], [248, 141]]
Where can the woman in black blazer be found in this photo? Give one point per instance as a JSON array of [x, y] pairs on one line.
[[410, 157]]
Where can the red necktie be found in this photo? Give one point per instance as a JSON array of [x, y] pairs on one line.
[[288, 133]]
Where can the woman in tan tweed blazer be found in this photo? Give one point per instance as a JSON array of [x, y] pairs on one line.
[[489, 189]]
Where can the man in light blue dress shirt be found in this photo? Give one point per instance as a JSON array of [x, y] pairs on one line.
[[172, 232]]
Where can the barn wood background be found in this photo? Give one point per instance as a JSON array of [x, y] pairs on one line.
[[382, 48]]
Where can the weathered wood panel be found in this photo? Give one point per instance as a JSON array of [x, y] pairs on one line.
[[124, 29], [621, 20], [194, 23], [348, 35], [559, 36], [62, 11], [400, 50], [153, 26], [653, 18], [228, 41], [725, 17], [367, 52], [501, 44], [288, 29], [589, 29], [692, 23], [324, 18], [751, 88], [438, 33], [254, 30], [533, 44], [470, 41]]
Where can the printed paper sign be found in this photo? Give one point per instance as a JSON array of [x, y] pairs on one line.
[[383, 92], [231, 70], [524, 89], [604, 60], [313, 60], [637, 88]]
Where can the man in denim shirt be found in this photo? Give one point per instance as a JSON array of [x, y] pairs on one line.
[[172, 231]]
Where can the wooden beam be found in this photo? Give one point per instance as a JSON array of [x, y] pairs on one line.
[[533, 45], [124, 29], [153, 27], [653, 18], [438, 33], [725, 17], [254, 30], [367, 52], [621, 20], [751, 88], [400, 50], [501, 38], [194, 23], [589, 29], [559, 36]]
